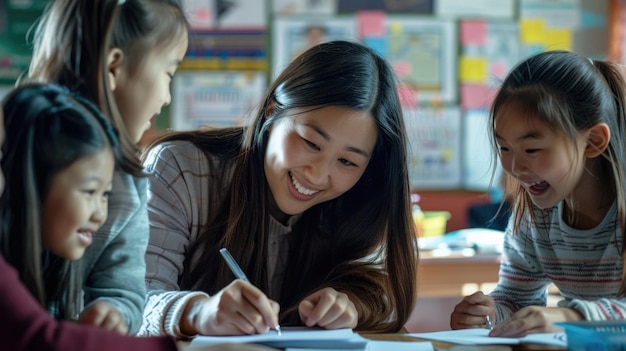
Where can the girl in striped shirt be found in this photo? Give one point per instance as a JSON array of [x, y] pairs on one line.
[[557, 126]]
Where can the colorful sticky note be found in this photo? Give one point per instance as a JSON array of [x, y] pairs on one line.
[[558, 39], [473, 96], [407, 96], [473, 69], [402, 68], [473, 32], [380, 45], [532, 31], [395, 28], [498, 70], [371, 23]]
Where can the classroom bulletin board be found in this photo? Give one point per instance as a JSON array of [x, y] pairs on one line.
[[449, 55]]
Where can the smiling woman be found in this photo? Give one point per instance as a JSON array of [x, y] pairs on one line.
[[316, 156], [311, 198]]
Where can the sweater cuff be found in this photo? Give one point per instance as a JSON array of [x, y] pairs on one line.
[[171, 324]]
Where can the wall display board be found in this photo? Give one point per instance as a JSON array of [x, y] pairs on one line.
[[391, 6], [489, 49], [423, 53], [504, 9], [293, 35], [214, 98], [479, 159], [304, 7], [434, 147]]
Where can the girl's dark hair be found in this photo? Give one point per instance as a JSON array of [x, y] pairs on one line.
[[570, 93], [73, 38], [47, 129], [336, 243]]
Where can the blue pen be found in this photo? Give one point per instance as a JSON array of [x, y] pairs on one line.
[[238, 272]]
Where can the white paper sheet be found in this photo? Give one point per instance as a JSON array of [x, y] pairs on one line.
[[481, 337], [380, 345], [292, 337]]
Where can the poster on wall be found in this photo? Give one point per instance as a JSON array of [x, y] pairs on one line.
[[304, 7], [225, 15], [293, 35], [214, 98], [476, 8], [423, 53], [390, 6], [481, 167], [489, 49], [434, 137]]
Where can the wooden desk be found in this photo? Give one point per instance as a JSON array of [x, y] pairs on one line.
[[447, 276], [442, 283]]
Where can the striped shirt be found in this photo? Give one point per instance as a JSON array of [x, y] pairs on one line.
[[585, 265]]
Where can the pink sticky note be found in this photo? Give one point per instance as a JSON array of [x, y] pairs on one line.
[[371, 23], [473, 32], [402, 68], [498, 70], [474, 96], [407, 96]]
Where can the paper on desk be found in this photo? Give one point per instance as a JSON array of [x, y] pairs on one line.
[[380, 345], [292, 337], [478, 336]]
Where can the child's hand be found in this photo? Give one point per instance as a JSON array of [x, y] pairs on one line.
[[105, 316], [329, 309], [238, 309], [472, 312], [535, 319]]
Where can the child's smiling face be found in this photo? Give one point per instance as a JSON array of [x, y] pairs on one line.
[[546, 163], [76, 204]]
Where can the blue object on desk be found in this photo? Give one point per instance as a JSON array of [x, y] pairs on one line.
[[595, 335]]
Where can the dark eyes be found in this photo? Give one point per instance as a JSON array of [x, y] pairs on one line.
[[92, 192], [312, 145], [528, 151], [346, 162], [317, 148]]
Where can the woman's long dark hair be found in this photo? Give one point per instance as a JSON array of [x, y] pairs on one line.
[[47, 129], [370, 220]]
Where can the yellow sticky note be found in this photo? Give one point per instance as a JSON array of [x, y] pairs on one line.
[[473, 69], [532, 31], [558, 39], [395, 28]]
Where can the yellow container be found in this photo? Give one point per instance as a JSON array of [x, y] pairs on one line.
[[434, 223]]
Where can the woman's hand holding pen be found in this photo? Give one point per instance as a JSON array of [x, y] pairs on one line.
[[535, 319], [473, 312], [240, 308], [328, 308]]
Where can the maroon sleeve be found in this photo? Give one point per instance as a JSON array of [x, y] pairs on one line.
[[25, 325]]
